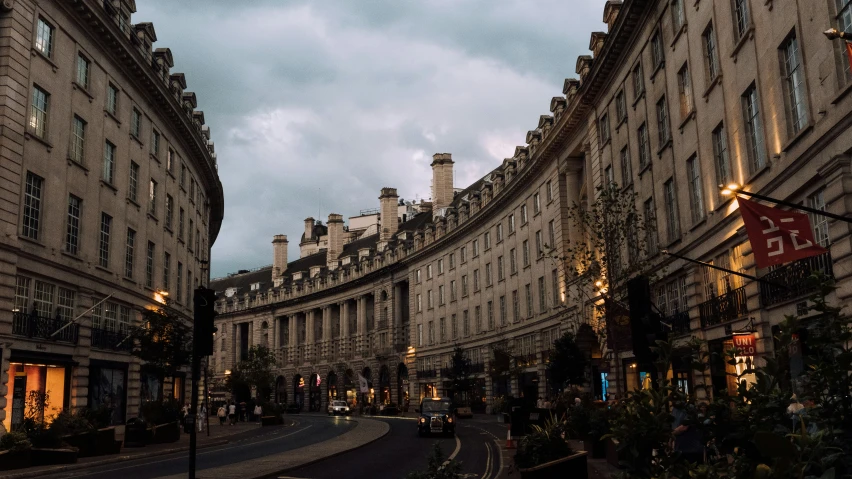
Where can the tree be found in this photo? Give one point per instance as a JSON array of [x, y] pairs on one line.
[[163, 340], [254, 371], [459, 374], [567, 363]]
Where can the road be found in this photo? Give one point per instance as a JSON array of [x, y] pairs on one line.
[[401, 451], [242, 447]]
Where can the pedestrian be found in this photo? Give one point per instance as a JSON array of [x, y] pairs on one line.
[[202, 414], [232, 413], [547, 403], [243, 412], [539, 404], [687, 436], [258, 412], [221, 414]]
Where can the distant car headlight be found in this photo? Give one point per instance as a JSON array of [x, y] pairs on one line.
[[449, 419], [422, 420]]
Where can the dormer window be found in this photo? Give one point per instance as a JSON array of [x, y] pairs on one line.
[[255, 286], [230, 292], [297, 276]]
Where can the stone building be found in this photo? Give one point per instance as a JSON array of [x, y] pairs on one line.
[[110, 197], [677, 98]]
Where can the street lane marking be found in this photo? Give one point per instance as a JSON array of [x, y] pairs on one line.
[[455, 453], [488, 463]]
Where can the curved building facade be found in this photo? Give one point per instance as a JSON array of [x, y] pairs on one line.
[[110, 200], [675, 99]]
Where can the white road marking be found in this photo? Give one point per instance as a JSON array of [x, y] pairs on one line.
[[488, 462], [455, 453]]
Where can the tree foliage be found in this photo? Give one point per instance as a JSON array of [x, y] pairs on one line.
[[257, 370], [567, 363], [163, 340], [459, 373]]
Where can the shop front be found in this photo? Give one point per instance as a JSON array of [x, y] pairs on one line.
[[331, 384], [528, 386], [384, 385], [40, 386], [315, 395], [727, 377], [108, 388], [349, 388], [402, 386], [299, 390], [636, 376]]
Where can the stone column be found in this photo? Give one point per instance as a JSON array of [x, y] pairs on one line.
[[572, 195], [310, 338], [291, 340], [344, 328], [326, 331], [362, 322]]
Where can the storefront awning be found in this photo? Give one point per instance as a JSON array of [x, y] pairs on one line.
[[36, 357]]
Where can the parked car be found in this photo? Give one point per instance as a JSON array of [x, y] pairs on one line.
[[338, 407], [435, 417]]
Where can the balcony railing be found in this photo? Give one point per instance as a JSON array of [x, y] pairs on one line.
[[41, 327], [724, 308], [792, 279], [112, 340], [427, 374], [381, 324], [679, 323]]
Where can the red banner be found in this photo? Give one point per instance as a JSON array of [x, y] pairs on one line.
[[777, 236], [849, 52], [745, 344]]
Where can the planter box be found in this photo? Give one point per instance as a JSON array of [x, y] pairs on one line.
[[44, 457], [595, 447], [572, 466], [15, 459], [164, 433], [86, 443], [107, 444]]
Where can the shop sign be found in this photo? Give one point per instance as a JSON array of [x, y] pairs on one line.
[[746, 344], [19, 393]]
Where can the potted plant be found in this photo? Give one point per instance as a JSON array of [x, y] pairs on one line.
[[545, 453], [15, 451]]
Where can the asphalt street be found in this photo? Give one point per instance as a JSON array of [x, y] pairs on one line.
[[402, 451], [243, 447]]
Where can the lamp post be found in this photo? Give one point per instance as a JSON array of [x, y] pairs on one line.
[[834, 34], [735, 189]]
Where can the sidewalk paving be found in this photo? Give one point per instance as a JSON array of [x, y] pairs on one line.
[[218, 435], [365, 432]]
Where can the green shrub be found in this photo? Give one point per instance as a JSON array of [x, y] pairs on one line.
[[545, 444], [66, 423], [156, 412], [100, 417], [14, 441]]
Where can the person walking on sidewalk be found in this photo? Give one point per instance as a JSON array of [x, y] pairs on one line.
[[232, 413], [202, 415], [221, 414], [258, 413]]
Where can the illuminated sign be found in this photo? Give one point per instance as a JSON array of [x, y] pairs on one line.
[[746, 344]]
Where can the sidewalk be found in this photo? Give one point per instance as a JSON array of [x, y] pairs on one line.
[[365, 432], [218, 435]]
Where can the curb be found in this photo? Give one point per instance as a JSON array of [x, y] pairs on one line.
[[275, 475], [114, 460]]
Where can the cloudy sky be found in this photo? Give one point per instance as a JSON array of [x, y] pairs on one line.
[[315, 106]]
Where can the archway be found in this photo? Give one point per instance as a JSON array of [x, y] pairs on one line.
[[349, 390], [331, 383], [384, 385], [402, 386], [369, 396], [315, 397], [280, 390], [298, 390]]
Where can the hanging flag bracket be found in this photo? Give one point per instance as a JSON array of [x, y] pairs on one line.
[[726, 270]]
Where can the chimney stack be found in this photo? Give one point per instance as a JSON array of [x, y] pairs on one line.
[[279, 256], [389, 210], [335, 239], [309, 228], [442, 181]]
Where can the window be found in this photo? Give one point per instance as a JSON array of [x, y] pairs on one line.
[[103, 241], [135, 123], [452, 290], [129, 253], [603, 129], [672, 222], [477, 318], [170, 160], [464, 285], [608, 176], [441, 266], [720, 156], [476, 280], [539, 245], [417, 276], [32, 206], [180, 223], [663, 128], [528, 293], [463, 254], [429, 301], [542, 292], [43, 298], [465, 323], [109, 163], [490, 312], [72, 230], [419, 303], [486, 238], [685, 88], [155, 142], [794, 85], [754, 129], [678, 18], [650, 226], [475, 247], [644, 147], [554, 279], [44, 38], [39, 111], [443, 328], [844, 24], [620, 110], [112, 99], [169, 211], [626, 171], [65, 304], [710, 54], [183, 176], [511, 223], [149, 265], [516, 306], [526, 252], [523, 214], [549, 191], [502, 310], [452, 260], [513, 261], [819, 222], [696, 199], [22, 294], [179, 284], [191, 229], [488, 281], [741, 18], [499, 232], [431, 332], [82, 71], [167, 266], [454, 327], [428, 271], [192, 190], [78, 139], [152, 197], [551, 230], [638, 82], [500, 274], [657, 56]]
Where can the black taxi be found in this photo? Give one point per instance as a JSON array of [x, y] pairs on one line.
[[436, 417]]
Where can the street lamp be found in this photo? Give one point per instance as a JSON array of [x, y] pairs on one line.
[[834, 34]]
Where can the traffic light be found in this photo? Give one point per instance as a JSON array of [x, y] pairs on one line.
[[644, 323], [204, 302]]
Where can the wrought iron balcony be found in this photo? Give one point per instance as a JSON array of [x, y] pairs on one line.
[[723, 308], [679, 323], [112, 340], [33, 326], [792, 279]]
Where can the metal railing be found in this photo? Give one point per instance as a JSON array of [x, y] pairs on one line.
[[792, 279], [723, 308], [679, 322], [112, 340], [427, 374], [41, 327]]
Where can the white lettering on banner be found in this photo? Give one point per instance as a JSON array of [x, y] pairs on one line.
[[778, 240]]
